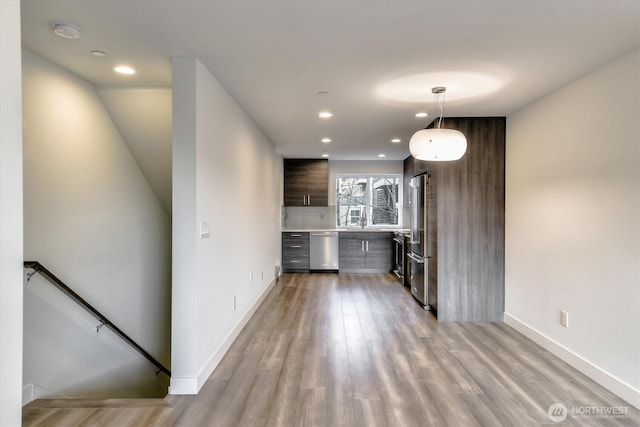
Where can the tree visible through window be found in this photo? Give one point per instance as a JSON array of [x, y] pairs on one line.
[[367, 200]]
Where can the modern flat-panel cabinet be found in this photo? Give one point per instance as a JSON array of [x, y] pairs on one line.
[[351, 251], [306, 182], [366, 252], [295, 252]]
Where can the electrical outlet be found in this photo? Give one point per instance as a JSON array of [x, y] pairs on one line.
[[564, 318], [262, 275], [234, 303]]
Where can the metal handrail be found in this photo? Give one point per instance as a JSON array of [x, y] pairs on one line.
[[104, 321]]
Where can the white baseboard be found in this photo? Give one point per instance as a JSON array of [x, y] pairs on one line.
[[31, 392], [608, 381], [27, 394], [183, 385], [192, 385]]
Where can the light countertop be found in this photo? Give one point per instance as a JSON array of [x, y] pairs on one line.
[[347, 230]]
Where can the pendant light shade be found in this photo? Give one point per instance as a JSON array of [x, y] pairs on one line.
[[438, 144]]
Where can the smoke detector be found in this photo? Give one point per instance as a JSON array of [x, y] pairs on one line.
[[66, 30]]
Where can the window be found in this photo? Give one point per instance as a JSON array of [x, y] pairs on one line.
[[354, 217], [367, 200]]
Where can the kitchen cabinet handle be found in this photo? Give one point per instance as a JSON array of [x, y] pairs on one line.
[[295, 235], [296, 246], [415, 258], [362, 246], [308, 199], [367, 246]]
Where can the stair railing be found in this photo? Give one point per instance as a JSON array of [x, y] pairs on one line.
[[104, 321]]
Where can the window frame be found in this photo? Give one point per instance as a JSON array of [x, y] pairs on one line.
[[369, 206]]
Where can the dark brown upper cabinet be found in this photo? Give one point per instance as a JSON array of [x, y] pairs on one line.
[[306, 182]]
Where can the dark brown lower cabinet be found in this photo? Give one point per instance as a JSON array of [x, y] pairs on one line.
[[295, 252], [366, 252]]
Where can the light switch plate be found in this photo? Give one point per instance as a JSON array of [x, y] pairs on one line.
[[564, 318], [205, 230]]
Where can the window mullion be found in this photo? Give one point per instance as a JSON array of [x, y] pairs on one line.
[[369, 200]]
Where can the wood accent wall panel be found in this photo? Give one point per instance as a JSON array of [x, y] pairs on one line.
[[470, 198]]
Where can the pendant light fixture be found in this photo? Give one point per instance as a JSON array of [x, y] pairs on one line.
[[438, 144]]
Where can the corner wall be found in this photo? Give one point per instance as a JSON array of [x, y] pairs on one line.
[[224, 175], [573, 224], [10, 215]]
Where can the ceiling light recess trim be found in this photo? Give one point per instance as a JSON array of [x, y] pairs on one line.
[[325, 114], [438, 144], [66, 30]]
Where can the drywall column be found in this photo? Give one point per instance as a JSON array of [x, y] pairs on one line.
[[184, 324], [223, 176], [10, 215]]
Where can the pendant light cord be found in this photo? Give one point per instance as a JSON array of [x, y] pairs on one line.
[[441, 105]]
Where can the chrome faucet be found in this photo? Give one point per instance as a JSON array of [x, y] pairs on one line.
[[363, 220]]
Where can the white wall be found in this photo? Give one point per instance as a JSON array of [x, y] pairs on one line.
[[10, 215], [573, 223], [92, 219], [142, 116], [224, 173]]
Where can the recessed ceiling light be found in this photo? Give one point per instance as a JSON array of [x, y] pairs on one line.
[[98, 53], [326, 140], [325, 115], [325, 155], [66, 30], [124, 69], [396, 140], [382, 155], [421, 114]]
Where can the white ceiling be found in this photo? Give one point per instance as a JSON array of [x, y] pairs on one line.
[[377, 59]]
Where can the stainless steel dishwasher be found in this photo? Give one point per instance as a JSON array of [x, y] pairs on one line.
[[324, 248]]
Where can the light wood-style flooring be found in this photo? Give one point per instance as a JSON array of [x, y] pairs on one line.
[[357, 350]]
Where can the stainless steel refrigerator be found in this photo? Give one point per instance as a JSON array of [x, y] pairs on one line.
[[422, 253]]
